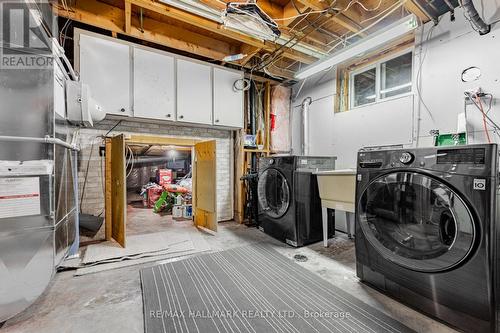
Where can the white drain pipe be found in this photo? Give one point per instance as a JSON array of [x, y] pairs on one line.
[[305, 125]]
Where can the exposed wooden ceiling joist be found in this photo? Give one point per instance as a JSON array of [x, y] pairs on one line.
[[112, 18], [417, 10], [339, 19], [250, 52], [183, 30], [128, 16], [217, 28]]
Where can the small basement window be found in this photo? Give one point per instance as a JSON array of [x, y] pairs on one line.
[[384, 79], [395, 76], [364, 87]]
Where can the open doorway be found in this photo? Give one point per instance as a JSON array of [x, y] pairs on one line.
[[154, 182], [158, 187]]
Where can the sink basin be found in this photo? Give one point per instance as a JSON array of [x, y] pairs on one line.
[[337, 189]]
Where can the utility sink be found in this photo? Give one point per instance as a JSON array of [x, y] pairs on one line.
[[337, 189]]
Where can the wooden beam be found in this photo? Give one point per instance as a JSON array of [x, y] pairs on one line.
[[272, 9], [159, 140], [281, 73], [112, 18], [250, 52], [219, 29], [347, 23], [315, 4], [128, 16], [338, 18], [413, 8]]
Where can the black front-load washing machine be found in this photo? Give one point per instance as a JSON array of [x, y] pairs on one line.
[[289, 201], [426, 231]]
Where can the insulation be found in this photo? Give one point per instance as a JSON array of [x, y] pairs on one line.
[[280, 119]]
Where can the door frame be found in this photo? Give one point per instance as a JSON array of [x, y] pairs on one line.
[[140, 140]]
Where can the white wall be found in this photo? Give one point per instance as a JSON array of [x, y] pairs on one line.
[[453, 47]]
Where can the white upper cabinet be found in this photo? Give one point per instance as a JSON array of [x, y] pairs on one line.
[[105, 67], [154, 85], [194, 92], [136, 81], [228, 102]]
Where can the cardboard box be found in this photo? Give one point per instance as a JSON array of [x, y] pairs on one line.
[[163, 176]]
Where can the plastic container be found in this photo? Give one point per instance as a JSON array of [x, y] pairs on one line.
[[178, 200], [177, 212], [187, 211]]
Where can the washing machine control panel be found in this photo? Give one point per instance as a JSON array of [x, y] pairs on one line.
[[475, 156]]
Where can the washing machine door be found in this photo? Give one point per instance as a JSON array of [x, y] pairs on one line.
[[416, 221], [273, 192]]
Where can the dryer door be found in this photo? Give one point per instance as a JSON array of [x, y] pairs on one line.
[[273, 192], [416, 221]]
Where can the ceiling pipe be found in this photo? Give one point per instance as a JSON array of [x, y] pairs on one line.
[[305, 125], [452, 9], [474, 17]]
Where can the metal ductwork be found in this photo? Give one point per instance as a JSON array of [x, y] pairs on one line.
[[475, 19], [305, 125]]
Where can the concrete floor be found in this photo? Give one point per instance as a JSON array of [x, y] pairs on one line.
[[111, 301]]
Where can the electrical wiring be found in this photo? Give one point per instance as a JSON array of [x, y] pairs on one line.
[[382, 12], [401, 3], [130, 161], [276, 53], [233, 6], [423, 55], [490, 104], [304, 14], [388, 11], [418, 79], [363, 6], [269, 61], [245, 87], [472, 97], [478, 99]]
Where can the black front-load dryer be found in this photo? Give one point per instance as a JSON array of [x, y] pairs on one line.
[[426, 231], [288, 196]]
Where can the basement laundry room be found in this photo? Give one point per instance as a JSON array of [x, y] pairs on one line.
[[249, 166]]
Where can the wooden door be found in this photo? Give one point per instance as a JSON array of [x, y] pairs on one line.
[[116, 197], [205, 186]]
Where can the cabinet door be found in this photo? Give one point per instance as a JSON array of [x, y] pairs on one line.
[[194, 92], [154, 85], [105, 67], [228, 102]]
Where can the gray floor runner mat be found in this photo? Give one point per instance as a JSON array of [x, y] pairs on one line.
[[251, 289]]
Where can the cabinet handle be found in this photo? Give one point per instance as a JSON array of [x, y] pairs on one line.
[[168, 115], [181, 117], [216, 120], [122, 109]]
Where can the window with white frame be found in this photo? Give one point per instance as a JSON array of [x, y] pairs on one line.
[[384, 79]]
